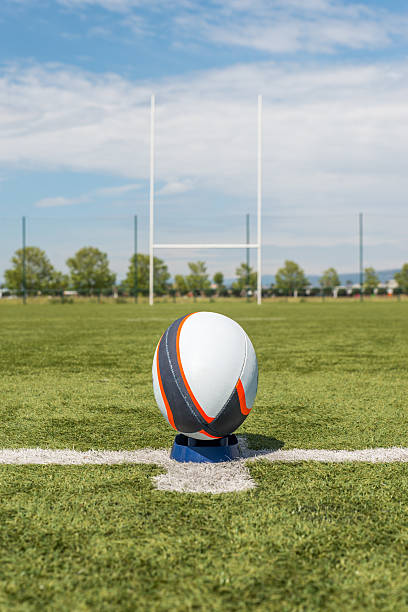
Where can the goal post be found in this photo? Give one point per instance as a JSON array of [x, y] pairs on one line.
[[259, 200], [151, 201], [257, 245]]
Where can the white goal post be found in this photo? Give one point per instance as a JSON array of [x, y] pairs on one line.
[[256, 245]]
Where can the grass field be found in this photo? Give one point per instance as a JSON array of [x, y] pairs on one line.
[[309, 537]]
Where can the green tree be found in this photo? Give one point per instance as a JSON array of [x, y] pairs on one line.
[[291, 278], [402, 278], [89, 271], [40, 275], [197, 280], [161, 275], [218, 280], [246, 278], [59, 283], [371, 280], [330, 279], [180, 284]]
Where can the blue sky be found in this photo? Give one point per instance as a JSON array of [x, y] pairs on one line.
[[75, 81]]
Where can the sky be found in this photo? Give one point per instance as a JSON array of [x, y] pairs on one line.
[[76, 77]]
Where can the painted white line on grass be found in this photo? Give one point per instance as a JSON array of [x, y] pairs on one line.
[[206, 477], [368, 455], [43, 456], [201, 477]]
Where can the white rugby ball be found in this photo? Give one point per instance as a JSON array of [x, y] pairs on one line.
[[205, 375]]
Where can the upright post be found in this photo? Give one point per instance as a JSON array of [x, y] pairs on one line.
[[247, 255], [135, 280], [24, 284], [259, 197], [151, 232], [361, 257]]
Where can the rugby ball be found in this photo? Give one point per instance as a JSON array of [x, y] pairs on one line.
[[205, 375]]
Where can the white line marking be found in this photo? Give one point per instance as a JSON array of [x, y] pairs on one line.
[[368, 455], [198, 477], [43, 456]]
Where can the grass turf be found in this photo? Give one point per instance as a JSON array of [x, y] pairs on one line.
[[310, 537]]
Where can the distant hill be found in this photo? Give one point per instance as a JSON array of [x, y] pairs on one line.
[[354, 277]]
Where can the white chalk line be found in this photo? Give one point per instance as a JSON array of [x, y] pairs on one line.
[[199, 477]]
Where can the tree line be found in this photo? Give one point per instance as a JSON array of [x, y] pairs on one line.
[[89, 274], [291, 280]]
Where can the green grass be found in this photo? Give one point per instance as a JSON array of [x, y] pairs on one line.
[[309, 537]]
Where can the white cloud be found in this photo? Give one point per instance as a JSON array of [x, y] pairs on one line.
[[136, 24], [268, 26], [341, 132], [57, 201], [176, 187], [335, 136], [273, 26], [292, 35], [117, 191], [97, 32], [334, 141], [111, 5], [122, 6]]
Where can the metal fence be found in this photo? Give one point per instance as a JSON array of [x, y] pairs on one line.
[[348, 242]]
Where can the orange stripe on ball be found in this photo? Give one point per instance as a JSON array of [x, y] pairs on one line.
[[241, 396]]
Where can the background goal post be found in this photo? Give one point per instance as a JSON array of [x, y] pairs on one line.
[[257, 245]]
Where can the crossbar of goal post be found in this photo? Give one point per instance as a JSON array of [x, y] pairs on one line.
[[257, 245]]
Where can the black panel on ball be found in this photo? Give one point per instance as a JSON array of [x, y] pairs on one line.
[[186, 416], [228, 419]]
